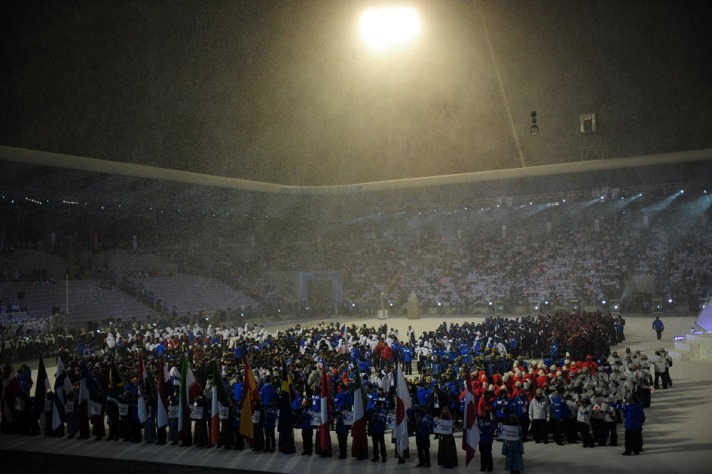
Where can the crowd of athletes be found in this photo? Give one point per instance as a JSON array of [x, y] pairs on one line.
[[555, 372]]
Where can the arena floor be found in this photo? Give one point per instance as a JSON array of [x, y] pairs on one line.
[[677, 435]]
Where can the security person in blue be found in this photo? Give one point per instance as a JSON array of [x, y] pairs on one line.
[[305, 410], [407, 355], [561, 416], [423, 428], [377, 430], [633, 419], [487, 429], [342, 431], [659, 327]]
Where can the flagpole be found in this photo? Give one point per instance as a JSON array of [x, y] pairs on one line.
[[66, 291]]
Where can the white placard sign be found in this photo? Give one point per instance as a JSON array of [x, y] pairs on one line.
[[94, 408], [391, 421], [196, 413], [224, 412], [508, 432], [441, 426], [123, 409], [19, 404], [173, 411], [315, 418], [349, 418]]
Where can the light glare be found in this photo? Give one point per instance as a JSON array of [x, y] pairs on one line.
[[386, 27]]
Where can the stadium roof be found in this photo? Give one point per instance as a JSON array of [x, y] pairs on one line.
[[55, 181]]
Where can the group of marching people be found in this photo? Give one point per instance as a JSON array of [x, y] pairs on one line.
[[248, 389]]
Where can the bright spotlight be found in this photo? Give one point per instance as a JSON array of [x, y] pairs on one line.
[[386, 27]]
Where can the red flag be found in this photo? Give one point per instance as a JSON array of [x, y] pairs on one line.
[[249, 400], [324, 437], [359, 446], [11, 388], [189, 391], [403, 404], [471, 433], [215, 408], [219, 398], [162, 406]]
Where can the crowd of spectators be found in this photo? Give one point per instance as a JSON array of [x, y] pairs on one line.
[[457, 273], [452, 267]]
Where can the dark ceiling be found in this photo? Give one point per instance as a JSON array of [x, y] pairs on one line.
[[286, 92]]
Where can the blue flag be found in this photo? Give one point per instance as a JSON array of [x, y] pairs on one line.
[[43, 386], [62, 386]]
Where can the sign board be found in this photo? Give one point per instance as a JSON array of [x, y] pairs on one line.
[[19, 404], [391, 421], [315, 418], [349, 418], [196, 413], [441, 426], [94, 408], [508, 432]]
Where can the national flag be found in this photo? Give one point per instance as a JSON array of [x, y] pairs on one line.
[[342, 343], [142, 408], [116, 384], [470, 433], [219, 397], [359, 446], [189, 391], [324, 437], [403, 404], [249, 399], [162, 398], [286, 412], [88, 386], [62, 386], [11, 388], [43, 386], [89, 390]]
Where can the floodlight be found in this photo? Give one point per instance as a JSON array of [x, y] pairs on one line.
[[386, 27]]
